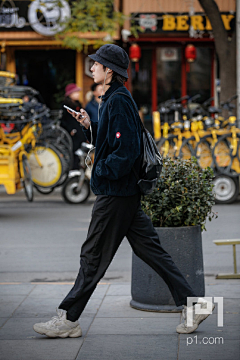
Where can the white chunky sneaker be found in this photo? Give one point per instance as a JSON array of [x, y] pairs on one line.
[[194, 319], [59, 326]]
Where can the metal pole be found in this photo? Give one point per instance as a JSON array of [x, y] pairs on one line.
[[238, 57], [234, 259]]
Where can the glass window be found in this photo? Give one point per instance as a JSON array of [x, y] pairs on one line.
[[141, 84], [168, 73], [47, 71], [199, 76]]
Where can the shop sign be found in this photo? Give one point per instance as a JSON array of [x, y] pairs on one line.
[[43, 16], [175, 22], [169, 54], [147, 21], [9, 17]]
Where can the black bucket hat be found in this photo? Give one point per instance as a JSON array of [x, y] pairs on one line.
[[113, 57]]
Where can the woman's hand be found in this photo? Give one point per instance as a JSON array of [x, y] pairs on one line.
[[82, 117]]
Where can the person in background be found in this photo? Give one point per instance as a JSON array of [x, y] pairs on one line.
[[92, 106], [88, 96], [70, 124]]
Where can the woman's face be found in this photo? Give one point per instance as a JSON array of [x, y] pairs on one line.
[[75, 95], [99, 74]]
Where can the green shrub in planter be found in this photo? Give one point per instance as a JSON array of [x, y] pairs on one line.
[[178, 208], [183, 197]]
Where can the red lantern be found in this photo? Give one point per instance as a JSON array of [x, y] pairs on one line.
[[190, 53], [135, 54]]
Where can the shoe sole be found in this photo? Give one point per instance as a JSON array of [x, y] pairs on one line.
[[201, 319], [74, 333]]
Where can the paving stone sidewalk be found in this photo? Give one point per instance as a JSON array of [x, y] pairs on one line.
[[112, 330]]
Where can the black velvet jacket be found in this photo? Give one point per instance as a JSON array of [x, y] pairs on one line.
[[117, 137]]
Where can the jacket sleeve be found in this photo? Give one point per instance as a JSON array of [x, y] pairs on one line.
[[87, 132], [124, 141]]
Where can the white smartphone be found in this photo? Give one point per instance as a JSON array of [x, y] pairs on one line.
[[75, 112]]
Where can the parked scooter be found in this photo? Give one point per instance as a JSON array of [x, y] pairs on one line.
[[76, 189]]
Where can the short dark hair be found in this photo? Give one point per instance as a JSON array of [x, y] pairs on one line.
[[116, 78], [94, 86]]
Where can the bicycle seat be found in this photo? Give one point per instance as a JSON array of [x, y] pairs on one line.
[[176, 107], [228, 106], [214, 110]]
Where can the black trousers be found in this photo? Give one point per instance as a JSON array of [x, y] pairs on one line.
[[113, 218]]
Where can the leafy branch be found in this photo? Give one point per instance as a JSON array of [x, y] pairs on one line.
[[89, 17]]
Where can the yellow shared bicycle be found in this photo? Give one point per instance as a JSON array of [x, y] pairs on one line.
[[15, 171]]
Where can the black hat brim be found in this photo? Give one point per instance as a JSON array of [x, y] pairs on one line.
[[119, 70]]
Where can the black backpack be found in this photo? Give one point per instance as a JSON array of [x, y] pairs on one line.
[[151, 162]]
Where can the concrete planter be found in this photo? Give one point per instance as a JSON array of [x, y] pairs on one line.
[[149, 291]]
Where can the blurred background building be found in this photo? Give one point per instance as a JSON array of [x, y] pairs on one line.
[[163, 64]]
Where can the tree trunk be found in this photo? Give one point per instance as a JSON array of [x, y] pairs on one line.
[[227, 64], [225, 49]]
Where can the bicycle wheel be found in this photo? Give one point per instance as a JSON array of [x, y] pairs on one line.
[[226, 189], [167, 146], [27, 181], [63, 179], [235, 168], [203, 153], [66, 156], [46, 165], [59, 137], [186, 150], [63, 136], [222, 155], [44, 191]]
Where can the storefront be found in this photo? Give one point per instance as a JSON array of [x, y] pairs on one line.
[[177, 58], [30, 49]]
